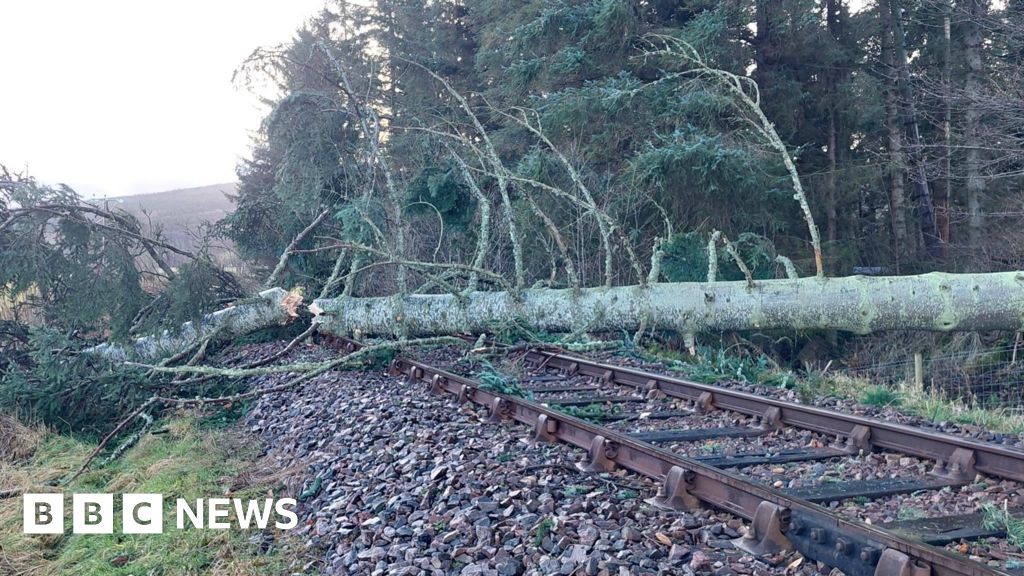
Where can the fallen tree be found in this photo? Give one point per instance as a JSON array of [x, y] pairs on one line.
[[271, 307], [932, 302]]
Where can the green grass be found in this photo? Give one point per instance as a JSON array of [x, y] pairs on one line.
[[590, 412], [879, 396], [192, 459], [996, 518], [714, 365], [542, 529]]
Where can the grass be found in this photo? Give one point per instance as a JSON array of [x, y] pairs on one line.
[[879, 396], [590, 412], [713, 366], [996, 518], [542, 529], [190, 459]]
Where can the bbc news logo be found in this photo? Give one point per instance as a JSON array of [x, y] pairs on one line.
[[144, 513]]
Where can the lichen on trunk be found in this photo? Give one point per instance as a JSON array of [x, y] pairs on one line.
[[859, 304]]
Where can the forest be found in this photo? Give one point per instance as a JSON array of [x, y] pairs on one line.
[[653, 170], [579, 167]]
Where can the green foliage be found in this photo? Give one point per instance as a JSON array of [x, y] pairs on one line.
[[542, 529], [996, 518], [910, 513], [380, 358], [711, 365], [441, 190], [494, 380], [591, 412], [77, 276], [686, 258], [879, 396], [575, 490], [68, 390], [198, 289], [74, 392]]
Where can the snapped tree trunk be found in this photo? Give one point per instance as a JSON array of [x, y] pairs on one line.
[[860, 304], [271, 307]]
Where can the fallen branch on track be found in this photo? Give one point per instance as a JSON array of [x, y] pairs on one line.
[[307, 370]]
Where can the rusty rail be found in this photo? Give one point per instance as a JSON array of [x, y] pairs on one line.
[[953, 454], [778, 520]]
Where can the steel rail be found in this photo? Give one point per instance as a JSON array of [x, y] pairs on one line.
[[852, 546], [953, 454]]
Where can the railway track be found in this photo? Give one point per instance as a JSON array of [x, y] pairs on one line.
[[655, 425]]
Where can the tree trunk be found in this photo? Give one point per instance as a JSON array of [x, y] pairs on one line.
[[934, 302], [926, 209], [945, 188], [972, 129], [272, 307], [830, 180], [895, 170], [837, 74]]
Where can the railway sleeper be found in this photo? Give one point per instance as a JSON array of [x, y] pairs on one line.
[[588, 400], [871, 489], [943, 530], [807, 528], [744, 460], [560, 389], [695, 434]]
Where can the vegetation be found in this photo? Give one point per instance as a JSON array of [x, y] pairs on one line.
[[494, 380], [190, 457], [591, 412], [932, 405], [996, 518], [458, 159]]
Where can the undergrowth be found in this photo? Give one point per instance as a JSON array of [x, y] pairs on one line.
[[80, 393], [716, 365], [711, 365], [493, 380], [590, 412], [187, 458], [996, 518]]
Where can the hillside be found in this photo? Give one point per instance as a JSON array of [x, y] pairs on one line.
[[179, 213], [182, 208]]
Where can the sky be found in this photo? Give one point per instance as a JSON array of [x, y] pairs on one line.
[[116, 97]]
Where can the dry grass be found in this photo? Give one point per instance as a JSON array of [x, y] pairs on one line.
[[189, 458], [18, 441], [30, 456]]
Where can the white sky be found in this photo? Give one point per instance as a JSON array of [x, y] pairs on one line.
[[117, 97]]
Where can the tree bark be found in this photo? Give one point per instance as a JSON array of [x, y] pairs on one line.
[[895, 169], [271, 308], [946, 186], [926, 208], [937, 302], [972, 129]]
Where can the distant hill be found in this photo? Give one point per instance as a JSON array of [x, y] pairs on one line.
[[186, 207], [179, 213]]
